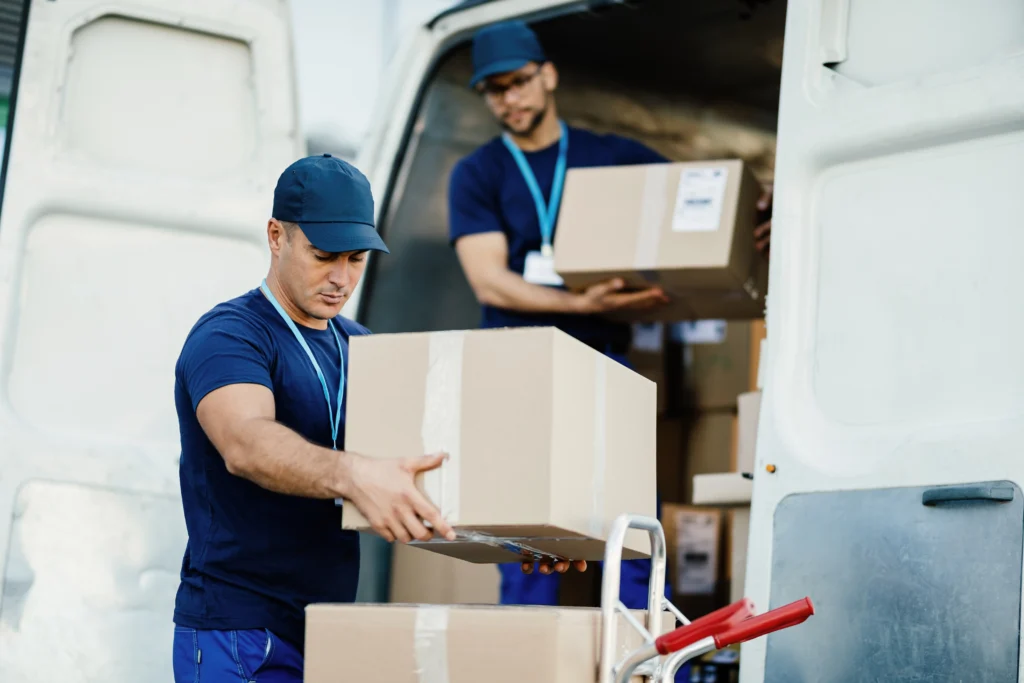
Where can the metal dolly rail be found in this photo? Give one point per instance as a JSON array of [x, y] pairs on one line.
[[661, 656]]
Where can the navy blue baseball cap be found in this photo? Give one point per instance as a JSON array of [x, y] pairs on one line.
[[331, 201], [504, 47]]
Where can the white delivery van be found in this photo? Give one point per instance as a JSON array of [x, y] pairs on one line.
[[136, 183]]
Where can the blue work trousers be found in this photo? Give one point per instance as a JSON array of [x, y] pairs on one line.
[[254, 655]]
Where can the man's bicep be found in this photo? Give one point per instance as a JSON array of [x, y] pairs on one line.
[[224, 413], [482, 255]]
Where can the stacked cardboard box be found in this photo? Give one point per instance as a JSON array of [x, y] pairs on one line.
[[687, 227], [460, 644], [548, 440]]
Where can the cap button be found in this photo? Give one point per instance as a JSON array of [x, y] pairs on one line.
[[327, 154]]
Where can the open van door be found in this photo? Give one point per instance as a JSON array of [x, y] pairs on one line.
[[144, 141], [894, 378]]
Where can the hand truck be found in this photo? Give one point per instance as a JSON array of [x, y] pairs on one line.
[[661, 656]]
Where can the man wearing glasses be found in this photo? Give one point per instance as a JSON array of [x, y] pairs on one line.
[[503, 201]]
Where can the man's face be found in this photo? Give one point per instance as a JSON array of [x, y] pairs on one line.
[[317, 282], [519, 99]]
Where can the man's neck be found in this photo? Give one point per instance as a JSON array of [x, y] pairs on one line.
[[293, 311], [544, 135]]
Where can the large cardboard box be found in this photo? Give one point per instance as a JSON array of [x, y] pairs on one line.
[[687, 227], [746, 442], [548, 440], [694, 539], [419, 576], [459, 644], [718, 368], [709, 449]]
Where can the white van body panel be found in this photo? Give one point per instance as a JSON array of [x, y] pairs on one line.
[[893, 348], [147, 140]]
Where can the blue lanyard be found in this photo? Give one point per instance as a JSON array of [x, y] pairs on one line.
[[545, 214], [334, 417]]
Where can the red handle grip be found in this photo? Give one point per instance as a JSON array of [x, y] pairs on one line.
[[789, 615], [707, 625]]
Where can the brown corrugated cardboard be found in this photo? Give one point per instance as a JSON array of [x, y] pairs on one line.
[[739, 530], [719, 372], [749, 407], [548, 440], [757, 336], [687, 227], [693, 536], [709, 448], [419, 576], [458, 644]]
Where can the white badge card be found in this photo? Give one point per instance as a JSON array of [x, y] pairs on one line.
[[699, 200], [540, 270]]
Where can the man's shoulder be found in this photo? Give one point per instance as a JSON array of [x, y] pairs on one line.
[[616, 148], [351, 328], [483, 158], [239, 315]]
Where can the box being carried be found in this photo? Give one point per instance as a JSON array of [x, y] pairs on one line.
[[686, 227], [548, 440], [465, 644]]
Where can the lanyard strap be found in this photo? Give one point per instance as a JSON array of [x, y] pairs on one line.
[[333, 416], [545, 214]]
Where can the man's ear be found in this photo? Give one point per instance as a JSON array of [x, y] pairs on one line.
[[276, 235], [549, 76]]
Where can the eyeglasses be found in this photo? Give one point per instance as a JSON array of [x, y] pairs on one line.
[[499, 90]]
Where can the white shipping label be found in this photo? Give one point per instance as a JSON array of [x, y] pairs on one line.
[[700, 332], [647, 337], [696, 553], [699, 200], [540, 270]]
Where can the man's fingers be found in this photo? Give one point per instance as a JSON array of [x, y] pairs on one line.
[[415, 527], [561, 567], [642, 299], [398, 531], [426, 462], [581, 565], [763, 229], [427, 511], [527, 567]]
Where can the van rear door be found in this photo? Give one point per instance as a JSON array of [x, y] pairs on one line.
[[144, 141], [893, 358]]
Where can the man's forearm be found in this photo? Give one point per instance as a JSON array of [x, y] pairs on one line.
[[509, 290], [276, 458]]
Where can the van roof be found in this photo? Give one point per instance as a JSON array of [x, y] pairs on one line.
[[457, 7]]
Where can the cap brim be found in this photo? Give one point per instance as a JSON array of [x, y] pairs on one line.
[[500, 67], [343, 236]]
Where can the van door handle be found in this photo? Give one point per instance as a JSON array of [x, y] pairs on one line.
[[996, 493]]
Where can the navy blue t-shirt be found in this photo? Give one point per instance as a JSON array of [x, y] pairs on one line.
[[256, 558], [487, 193]]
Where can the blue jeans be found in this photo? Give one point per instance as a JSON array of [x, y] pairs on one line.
[[234, 657]]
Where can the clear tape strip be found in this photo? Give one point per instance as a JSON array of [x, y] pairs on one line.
[[652, 216], [597, 512], [431, 644], [441, 430]]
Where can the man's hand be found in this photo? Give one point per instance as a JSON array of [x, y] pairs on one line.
[[604, 297], [763, 232], [560, 567], [384, 490]]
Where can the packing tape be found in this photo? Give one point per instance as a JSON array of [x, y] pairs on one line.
[[441, 430], [600, 445], [652, 217], [431, 644]]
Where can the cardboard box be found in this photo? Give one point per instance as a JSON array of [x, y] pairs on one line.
[[687, 227], [739, 531], [693, 536], [419, 576], [758, 333], [749, 411], [548, 440], [718, 371], [709, 449], [459, 644]]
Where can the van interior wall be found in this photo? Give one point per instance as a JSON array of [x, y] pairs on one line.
[[693, 80]]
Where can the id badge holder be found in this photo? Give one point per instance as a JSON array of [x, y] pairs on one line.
[[540, 270]]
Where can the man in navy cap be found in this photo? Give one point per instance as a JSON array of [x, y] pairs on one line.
[[503, 202], [260, 396]]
